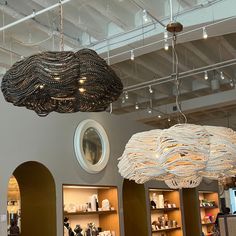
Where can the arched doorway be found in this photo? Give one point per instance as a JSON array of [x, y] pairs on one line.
[[134, 208], [37, 199]]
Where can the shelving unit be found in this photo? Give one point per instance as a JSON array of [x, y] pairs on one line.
[[209, 208], [167, 208], [75, 199]]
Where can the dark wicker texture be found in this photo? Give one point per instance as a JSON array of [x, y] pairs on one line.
[[63, 82]]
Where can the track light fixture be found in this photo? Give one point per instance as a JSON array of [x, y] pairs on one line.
[[222, 75], [204, 33], [136, 106], [132, 55], [145, 16], [126, 95], [150, 89], [205, 75]]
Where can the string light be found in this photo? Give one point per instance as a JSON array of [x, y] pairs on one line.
[[205, 75], [150, 89], [132, 55], [145, 17], [222, 75], [204, 33], [136, 106]]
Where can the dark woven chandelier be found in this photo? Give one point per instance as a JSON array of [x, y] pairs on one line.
[[63, 82]]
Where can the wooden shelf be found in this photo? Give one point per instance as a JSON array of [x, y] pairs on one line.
[[90, 212], [210, 223], [165, 209], [208, 207], [169, 229]]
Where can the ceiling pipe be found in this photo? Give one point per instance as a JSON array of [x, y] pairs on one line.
[[34, 14]]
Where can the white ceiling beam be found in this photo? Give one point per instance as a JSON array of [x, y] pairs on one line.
[[115, 13]]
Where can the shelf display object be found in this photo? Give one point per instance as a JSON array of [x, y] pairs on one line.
[[165, 212], [209, 208], [13, 204], [90, 211]]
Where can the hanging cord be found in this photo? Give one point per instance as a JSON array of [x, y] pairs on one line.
[[177, 80], [61, 27]]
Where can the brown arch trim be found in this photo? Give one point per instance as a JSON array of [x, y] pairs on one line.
[[134, 208], [38, 199]]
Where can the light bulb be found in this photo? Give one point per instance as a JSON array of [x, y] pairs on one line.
[[159, 116], [205, 75], [231, 83], [150, 89], [222, 75], [204, 33], [166, 45], [82, 90], [169, 119], [123, 100], [136, 106], [132, 55]]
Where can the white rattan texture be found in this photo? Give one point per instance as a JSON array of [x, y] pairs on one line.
[[180, 155]]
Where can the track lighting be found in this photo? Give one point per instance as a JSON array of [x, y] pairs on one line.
[[145, 17], [205, 75], [222, 75], [166, 45], [165, 34], [204, 33], [132, 55], [150, 89], [149, 110], [231, 83], [136, 106], [126, 95]]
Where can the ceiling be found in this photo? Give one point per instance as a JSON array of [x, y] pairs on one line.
[[118, 28]]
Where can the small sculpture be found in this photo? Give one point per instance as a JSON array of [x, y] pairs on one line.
[[78, 230]]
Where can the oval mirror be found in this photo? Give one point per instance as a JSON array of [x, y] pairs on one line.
[[91, 146]]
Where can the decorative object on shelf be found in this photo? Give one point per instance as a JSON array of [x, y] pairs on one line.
[[63, 82], [105, 205], [78, 230], [180, 155], [91, 146]]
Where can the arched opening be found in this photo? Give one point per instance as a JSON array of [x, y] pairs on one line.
[[13, 206], [37, 199], [134, 208]]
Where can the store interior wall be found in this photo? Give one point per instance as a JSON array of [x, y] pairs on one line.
[[49, 140]]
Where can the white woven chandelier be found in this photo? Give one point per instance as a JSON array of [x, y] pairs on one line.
[[180, 155]]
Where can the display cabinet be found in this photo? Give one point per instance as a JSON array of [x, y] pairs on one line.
[[91, 205], [209, 208], [165, 209]]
